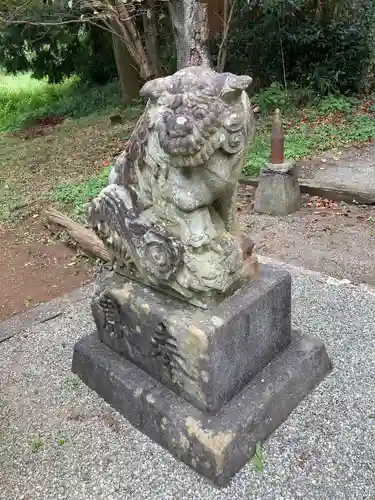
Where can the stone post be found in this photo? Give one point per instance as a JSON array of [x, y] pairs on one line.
[[278, 191]]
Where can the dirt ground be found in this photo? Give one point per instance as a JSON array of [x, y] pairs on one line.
[[333, 238], [35, 268]]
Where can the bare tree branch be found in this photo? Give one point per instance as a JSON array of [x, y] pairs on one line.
[[223, 49]]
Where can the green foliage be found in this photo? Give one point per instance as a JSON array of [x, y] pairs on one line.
[[23, 99], [271, 97], [258, 458], [336, 103], [327, 46], [76, 196], [57, 47], [275, 96], [304, 139], [36, 444]]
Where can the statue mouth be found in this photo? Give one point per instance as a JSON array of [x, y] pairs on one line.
[[195, 157]]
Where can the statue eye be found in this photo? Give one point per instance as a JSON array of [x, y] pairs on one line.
[[199, 114]]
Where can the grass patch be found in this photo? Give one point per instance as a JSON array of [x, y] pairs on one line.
[[74, 197], [24, 99], [71, 383], [10, 200], [36, 444], [329, 123], [258, 458]]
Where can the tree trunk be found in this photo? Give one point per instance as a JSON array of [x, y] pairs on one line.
[[190, 27], [228, 10], [151, 37], [132, 36], [128, 75]]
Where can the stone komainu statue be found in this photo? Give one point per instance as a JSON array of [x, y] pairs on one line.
[[169, 209]]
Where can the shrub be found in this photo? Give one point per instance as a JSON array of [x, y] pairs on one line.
[[326, 46]]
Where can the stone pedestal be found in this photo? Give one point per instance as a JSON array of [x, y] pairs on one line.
[[206, 385], [278, 192]]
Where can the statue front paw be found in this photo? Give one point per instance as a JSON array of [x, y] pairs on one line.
[[185, 200]]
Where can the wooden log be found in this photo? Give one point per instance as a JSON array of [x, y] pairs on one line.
[[85, 238]]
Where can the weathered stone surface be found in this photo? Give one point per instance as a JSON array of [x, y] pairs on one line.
[[215, 446], [170, 206], [204, 356], [277, 193], [282, 168], [42, 313], [345, 179]]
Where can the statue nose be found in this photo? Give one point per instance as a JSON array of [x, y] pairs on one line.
[[181, 126], [184, 123]]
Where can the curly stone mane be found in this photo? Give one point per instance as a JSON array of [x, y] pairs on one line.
[[198, 114]]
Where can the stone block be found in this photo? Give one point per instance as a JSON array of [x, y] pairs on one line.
[[204, 356], [215, 446], [278, 193]]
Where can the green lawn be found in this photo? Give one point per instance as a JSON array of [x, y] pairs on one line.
[[24, 99]]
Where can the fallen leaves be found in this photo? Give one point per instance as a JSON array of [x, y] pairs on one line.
[[325, 207], [322, 203]]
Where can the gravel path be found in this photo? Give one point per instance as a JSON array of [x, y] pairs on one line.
[[58, 440]]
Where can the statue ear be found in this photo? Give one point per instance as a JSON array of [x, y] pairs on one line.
[[153, 89], [235, 85], [239, 82]]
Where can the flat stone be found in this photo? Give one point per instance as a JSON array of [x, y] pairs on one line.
[[205, 356], [277, 193], [345, 180], [42, 313], [214, 446], [282, 168]]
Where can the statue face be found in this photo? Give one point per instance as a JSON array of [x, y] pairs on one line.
[[197, 112]]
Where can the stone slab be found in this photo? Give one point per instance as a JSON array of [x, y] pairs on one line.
[[349, 180], [42, 313], [214, 446], [207, 356], [282, 168]]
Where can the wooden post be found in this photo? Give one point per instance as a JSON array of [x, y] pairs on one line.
[[277, 140]]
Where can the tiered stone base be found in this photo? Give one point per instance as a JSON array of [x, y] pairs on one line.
[[215, 446], [206, 385]]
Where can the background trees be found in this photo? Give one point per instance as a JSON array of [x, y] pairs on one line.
[[327, 46]]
